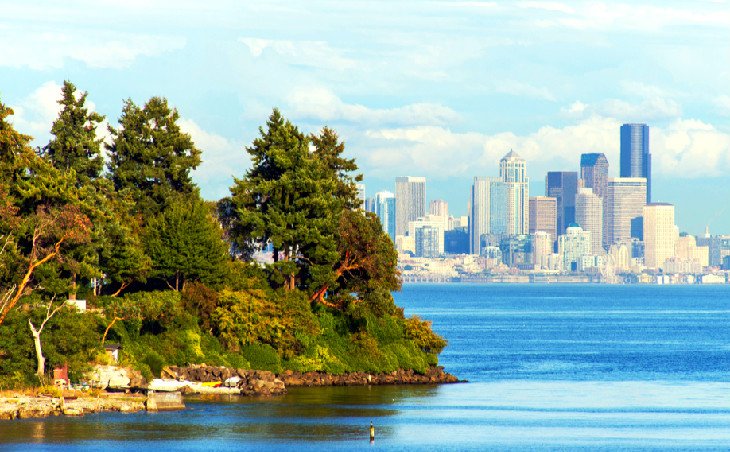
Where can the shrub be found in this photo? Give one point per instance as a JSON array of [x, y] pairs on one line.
[[262, 357]]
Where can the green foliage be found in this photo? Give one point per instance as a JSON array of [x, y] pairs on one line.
[[420, 332], [185, 244], [262, 356], [324, 303], [74, 145], [150, 156]]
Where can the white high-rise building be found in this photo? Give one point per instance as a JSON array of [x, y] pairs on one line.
[[385, 210], [434, 222], [624, 203], [660, 234], [542, 249], [572, 246], [410, 201], [589, 216], [513, 172], [439, 207]]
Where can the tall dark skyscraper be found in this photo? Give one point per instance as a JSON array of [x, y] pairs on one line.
[[594, 172], [563, 185], [635, 155]]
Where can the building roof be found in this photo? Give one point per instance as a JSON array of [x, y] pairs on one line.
[[512, 155], [591, 159]]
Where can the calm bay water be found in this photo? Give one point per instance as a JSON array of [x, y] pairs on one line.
[[550, 366]]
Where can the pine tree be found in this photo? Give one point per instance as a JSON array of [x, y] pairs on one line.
[[74, 145], [150, 156]]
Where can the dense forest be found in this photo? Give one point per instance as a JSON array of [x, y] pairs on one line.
[[285, 273]]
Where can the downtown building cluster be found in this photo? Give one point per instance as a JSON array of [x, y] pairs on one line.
[[586, 224]]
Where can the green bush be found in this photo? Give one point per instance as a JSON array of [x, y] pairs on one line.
[[262, 357]]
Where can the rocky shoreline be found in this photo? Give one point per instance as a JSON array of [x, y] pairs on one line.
[[165, 393], [23, 407]]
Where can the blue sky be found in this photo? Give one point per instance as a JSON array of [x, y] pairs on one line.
[[440, 89]]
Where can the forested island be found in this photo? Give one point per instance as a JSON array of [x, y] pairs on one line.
[[173, 278]]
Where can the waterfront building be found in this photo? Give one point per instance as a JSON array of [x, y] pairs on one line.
[[563, 186], [432, 221], [624, 204], [405, 244], [488, 210], [513, 172], [719, 246], [572, 246], [456, 241], [619, 257], [660, 234], [439, 207], [410, 201], [635, 154], [385, 210], [542, 249], [544, 216], [589, 216], [516, 251], [594, 172], [687, 250], [428, 241]]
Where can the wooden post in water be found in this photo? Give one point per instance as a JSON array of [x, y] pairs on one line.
[[372, 432]]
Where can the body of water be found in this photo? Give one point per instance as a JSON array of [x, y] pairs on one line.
[[550, 366]]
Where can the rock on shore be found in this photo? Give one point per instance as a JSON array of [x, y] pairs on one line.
[[259, 382], [22, 407]]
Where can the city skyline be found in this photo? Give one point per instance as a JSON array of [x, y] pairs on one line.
[[442, 89]]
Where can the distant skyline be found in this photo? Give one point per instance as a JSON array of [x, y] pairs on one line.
[[441, 89]]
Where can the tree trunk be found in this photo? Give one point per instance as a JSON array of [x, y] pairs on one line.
[[40, 359]]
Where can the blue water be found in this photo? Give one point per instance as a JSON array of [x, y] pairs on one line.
[[550, 366]]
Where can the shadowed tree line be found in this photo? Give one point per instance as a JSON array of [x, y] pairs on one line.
[[286, 272]]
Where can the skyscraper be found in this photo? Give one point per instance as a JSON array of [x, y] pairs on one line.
[[385, 210], [439, 207], [544, 216], [427, 241], [513, 171], [563, 185], [594, 172], [589, 216], [635, 155], [410, 201], [624, 204], [488, 210], [660, 234]]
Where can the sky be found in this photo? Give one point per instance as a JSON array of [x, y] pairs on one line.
[[441, 89]]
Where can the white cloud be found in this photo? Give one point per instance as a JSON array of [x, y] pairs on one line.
[[690, 148], [685, 148], [318, 54], [44, 50], [322, 104], [35, 114], [221, 160]]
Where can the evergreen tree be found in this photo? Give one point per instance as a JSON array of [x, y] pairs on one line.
[[150, 156], [74, 145], [186, 244], [279, 197]]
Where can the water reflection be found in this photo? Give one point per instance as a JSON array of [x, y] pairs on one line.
[[304, 414]]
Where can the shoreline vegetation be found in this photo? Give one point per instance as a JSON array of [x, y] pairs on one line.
[[110, 256]]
